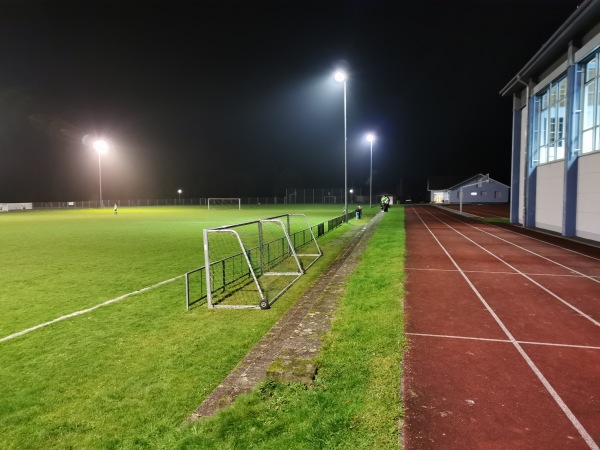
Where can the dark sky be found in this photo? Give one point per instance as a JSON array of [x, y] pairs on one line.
[[236, 98]]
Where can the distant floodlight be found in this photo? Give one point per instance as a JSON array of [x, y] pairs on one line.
[[370, 137], [101, 146], [339, 76]]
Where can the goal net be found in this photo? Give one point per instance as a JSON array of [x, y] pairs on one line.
[[222, 203], [250, 265]]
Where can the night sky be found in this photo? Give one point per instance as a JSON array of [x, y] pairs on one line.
[[236, 98]]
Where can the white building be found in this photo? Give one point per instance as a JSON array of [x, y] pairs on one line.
[[556, 131], [477, 189]]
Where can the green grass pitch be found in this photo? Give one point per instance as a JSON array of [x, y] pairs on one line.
[[136, 367]]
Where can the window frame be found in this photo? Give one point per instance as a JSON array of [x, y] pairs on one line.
[[550, 133], [589, 124]]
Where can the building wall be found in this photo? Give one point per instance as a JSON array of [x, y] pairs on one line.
[[549, 196], [522, 166], [588, 193], [486, 193]]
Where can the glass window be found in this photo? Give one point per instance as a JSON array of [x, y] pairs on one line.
[[590, 70], [589, 94], [561, 114], [551, 113], [590, 111]]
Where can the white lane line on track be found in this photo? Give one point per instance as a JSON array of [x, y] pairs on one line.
[[529, 251], [541, 286], [544, 242], [506, 341], [565, 275], [87, 310], [547, 243], [559, 401]]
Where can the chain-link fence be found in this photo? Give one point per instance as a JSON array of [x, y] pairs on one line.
[[292, 196], [324, 196]]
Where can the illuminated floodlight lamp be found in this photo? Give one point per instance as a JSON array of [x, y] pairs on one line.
[[101, 146], [340, 76], [179, 191]]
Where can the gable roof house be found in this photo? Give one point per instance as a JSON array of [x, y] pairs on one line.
[[476, 189]]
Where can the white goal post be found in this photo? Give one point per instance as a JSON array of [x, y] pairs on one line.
[[228, 202], [250, 265]]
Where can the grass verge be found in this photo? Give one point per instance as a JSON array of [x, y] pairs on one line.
[[494, 219], [355, 400]]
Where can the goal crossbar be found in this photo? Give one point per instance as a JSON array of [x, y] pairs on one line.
[[240, 258], [224, 201]]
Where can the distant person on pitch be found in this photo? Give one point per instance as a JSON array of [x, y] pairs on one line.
[[358, 212], [115, 208]]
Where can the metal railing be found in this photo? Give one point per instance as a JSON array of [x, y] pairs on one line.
[[227, 265]]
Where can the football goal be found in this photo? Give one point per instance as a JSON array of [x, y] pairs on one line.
[[215, 203], [250, 265]]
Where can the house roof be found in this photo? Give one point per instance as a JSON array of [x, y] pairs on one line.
[[451, 183], [474, 179], [442, 182]]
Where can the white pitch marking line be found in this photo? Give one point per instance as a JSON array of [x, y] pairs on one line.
[[550, 344], [529, 251], [559, 401], [85, 311], [557, 297]]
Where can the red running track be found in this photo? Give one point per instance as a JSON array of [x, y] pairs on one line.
[[483, 210], [504, 337]]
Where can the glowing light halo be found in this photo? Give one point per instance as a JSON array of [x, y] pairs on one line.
[[340, 76], [101, 146]]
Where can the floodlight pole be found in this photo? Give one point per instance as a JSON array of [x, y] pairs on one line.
[[100, 177], [101, 147], [345, 160], [371, 138], [341, 77], [371, 178]]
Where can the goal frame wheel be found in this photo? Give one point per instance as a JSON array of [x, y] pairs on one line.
[[264, 304]]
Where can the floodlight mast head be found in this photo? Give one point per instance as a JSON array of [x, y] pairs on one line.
[[101, 146], [370, 137], [340, 76]]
